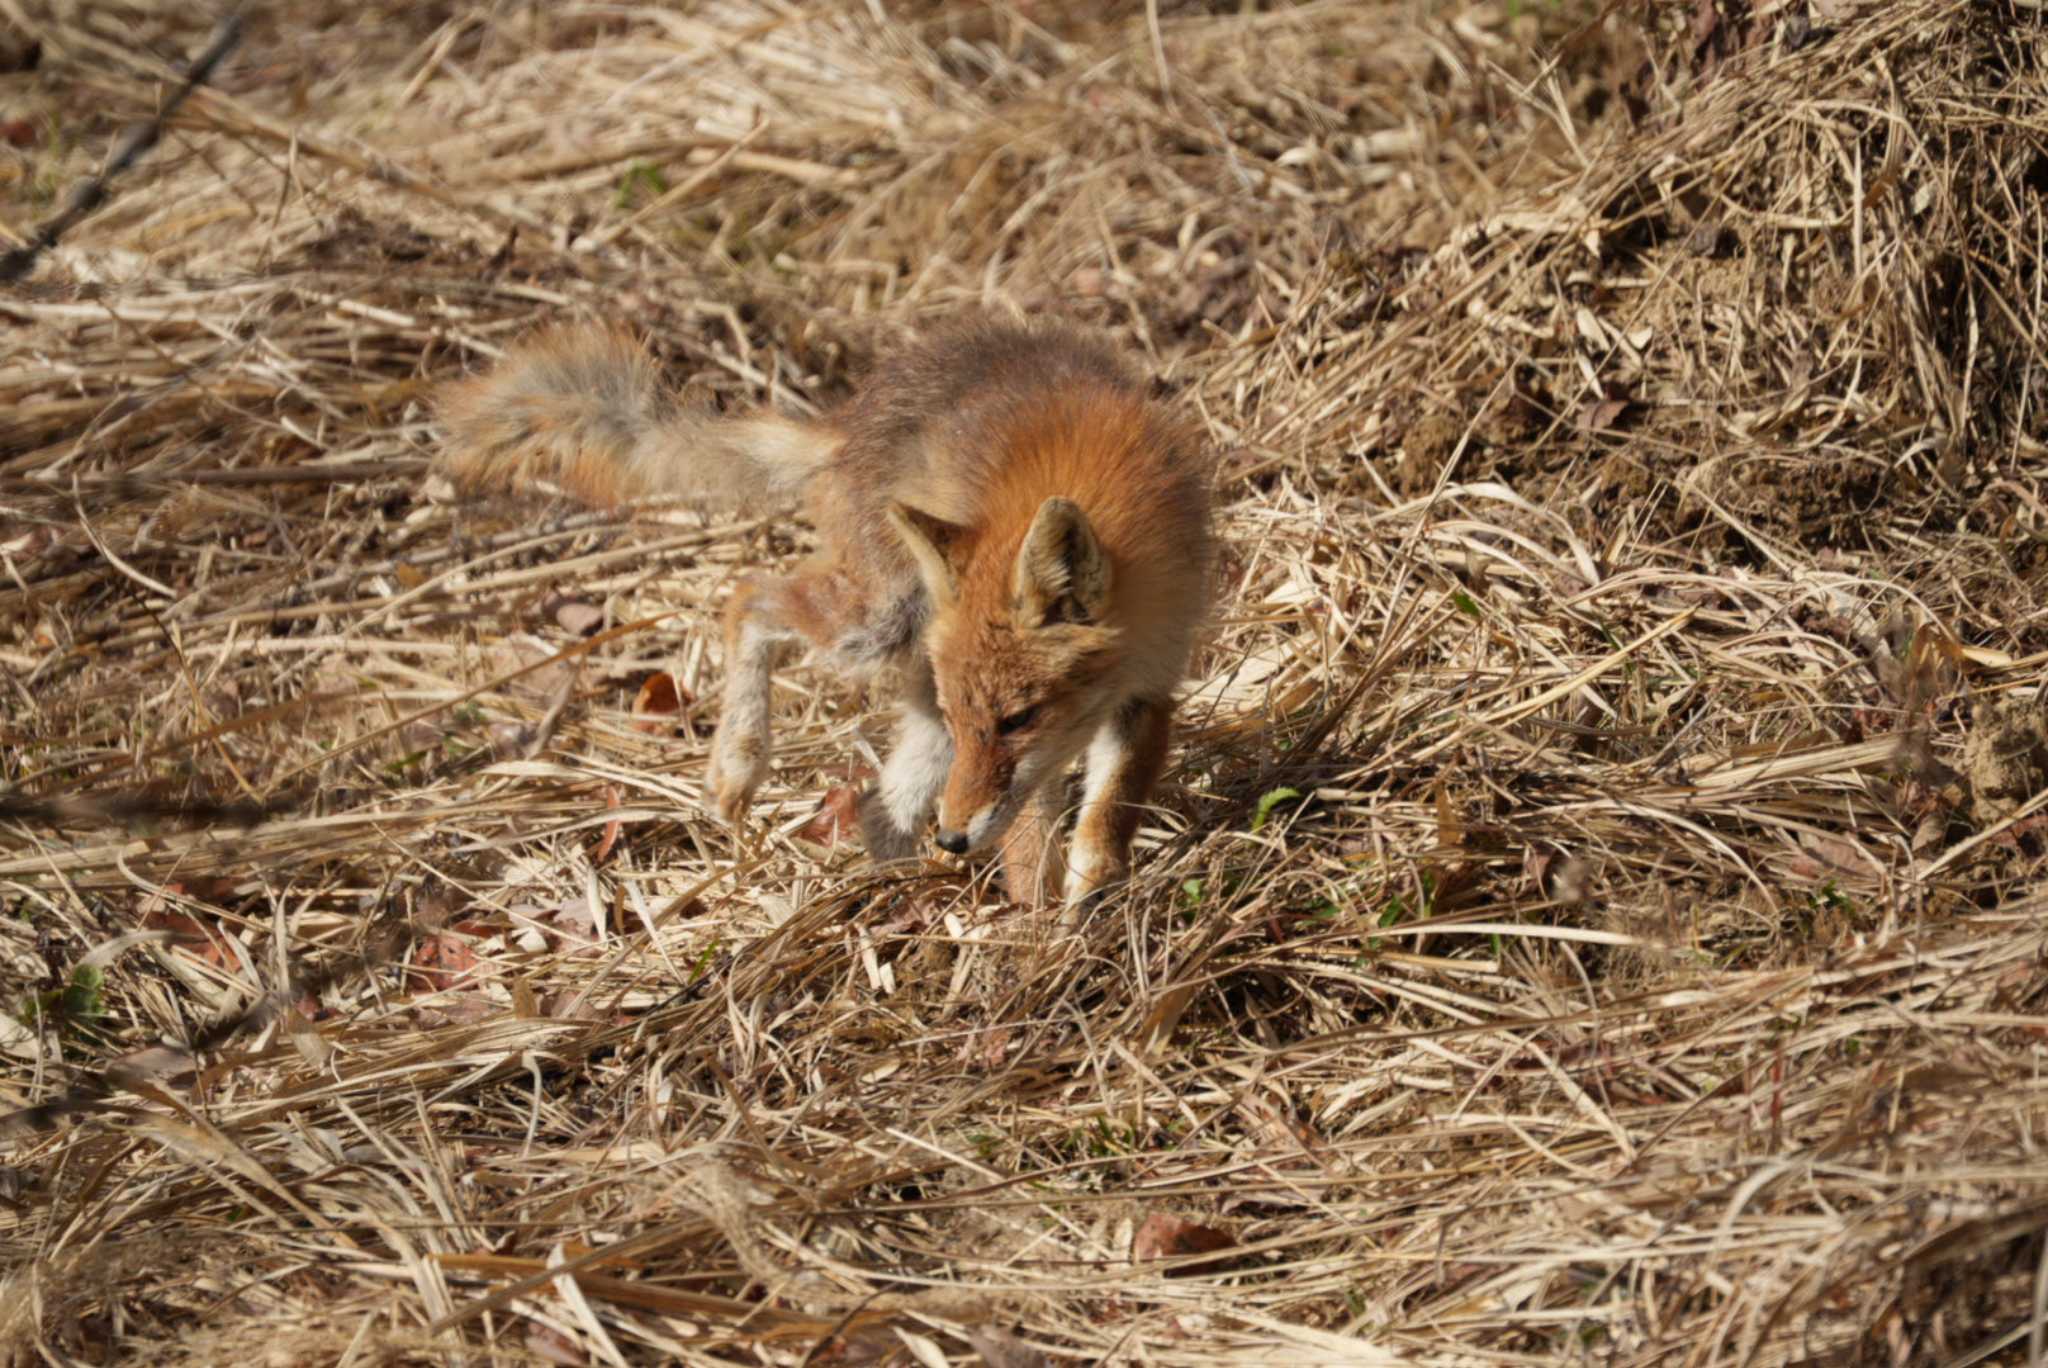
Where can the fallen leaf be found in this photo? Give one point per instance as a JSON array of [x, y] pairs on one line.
[[195, 937], [838, 816], [660, 698], [444, 961], [1166, 1236], [18, 133], [1706, 23], [986, 1048], [1264, 1119], [550, 1345], [1599, 415], [578, 616], [1708, 238]]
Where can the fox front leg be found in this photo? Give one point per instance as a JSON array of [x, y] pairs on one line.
[[1124, 761], [1033, 871], [894, 812]]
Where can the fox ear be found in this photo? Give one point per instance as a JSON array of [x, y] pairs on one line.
[[935, 546], [1062, 573]]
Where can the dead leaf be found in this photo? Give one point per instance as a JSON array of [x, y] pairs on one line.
[[445, 961], [1706, 25], [1600, 415], [986, 1048], [18, 133], [660, 698], [150, 1062], [837, 817], [1709, 238], [1163, 1235], [1842, 855], [578, 616], [306, 1039], [550, 1345], [410, 576], [1570, 887], [195, 937], [1264, 1118]]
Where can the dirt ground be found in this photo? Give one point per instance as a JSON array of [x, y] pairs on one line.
[[1593, 912]]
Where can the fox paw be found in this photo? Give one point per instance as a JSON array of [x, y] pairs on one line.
[[884, 840], [734, 780], [1090, 879]]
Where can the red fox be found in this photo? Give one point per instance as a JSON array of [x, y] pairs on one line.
[[1005, 520]]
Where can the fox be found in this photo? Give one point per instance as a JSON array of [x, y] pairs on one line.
[[1009, 528]]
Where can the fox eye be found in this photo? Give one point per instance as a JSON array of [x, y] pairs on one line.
[[1016, 721]]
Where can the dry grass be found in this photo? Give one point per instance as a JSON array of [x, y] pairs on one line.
[[1638, 577]]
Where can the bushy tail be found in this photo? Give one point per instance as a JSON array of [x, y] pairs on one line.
[[585, 408]]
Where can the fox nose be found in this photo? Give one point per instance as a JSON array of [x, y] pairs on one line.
[[953, 842]]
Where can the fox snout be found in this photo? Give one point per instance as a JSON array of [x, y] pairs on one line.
[[970, 826]]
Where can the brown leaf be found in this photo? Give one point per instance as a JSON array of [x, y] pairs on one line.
[[550, 1345], [838, 816], [444, 961], [198, 938], [17, 132], [659, 699], [1281, 1133], [1166, 1236], [410, 576], [577, 615], [1600, 415], [1706, 19], [986, 1048]]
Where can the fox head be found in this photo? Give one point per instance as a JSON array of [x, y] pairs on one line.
[[1022, 656]]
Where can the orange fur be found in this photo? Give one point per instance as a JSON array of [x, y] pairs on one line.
[[1003, 515]]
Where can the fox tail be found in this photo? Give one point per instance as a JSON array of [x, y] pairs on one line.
[[586, 409]]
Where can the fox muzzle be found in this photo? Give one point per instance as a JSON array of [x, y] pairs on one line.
[[953, 842]]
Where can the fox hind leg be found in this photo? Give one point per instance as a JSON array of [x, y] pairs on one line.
[[768, 614], [1124, 761], [757, 637]]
